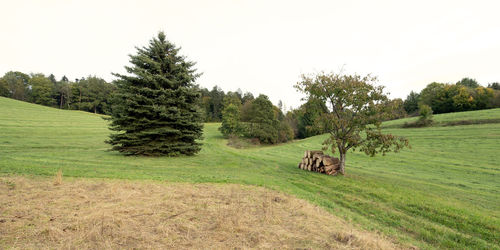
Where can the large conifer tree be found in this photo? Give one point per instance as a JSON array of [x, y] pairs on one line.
[[154, 110]]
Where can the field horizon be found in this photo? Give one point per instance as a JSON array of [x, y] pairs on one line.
[[441, 193]]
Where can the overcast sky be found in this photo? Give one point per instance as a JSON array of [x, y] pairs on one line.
[[260, 46]]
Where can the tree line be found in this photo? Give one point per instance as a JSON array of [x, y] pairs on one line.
[[259, 118], [256, 117], [465, 95], [241, 114], [91, 94], [244, 115], [248, 116]]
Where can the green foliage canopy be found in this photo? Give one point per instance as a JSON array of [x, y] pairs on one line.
[[41, 90], [230, 120], [468, 82], [356, 109], [262, 123], [310, 112], [411, 102]]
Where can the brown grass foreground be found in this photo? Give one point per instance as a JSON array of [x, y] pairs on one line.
[[105, 214]]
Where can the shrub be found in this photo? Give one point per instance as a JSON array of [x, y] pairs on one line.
[[230, 121], [425, 118]]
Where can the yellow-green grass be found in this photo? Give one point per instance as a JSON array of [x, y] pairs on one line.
[[442, 193]]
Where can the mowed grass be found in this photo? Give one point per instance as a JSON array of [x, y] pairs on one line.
[[442, 193], [485, 116]]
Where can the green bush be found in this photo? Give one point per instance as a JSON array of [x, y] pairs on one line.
[[230, 121], [425, 118]]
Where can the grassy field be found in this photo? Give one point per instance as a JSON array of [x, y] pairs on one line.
[[442, 193], [486, 116]]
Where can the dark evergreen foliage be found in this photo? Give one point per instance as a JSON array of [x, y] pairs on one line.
[[468, 82], [92, 94], [155, 108], [494, 85], [411, 102], [310, 112]]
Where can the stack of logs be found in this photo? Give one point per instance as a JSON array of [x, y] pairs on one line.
[[318, 162]]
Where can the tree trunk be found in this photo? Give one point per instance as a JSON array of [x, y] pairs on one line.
[[342, 163], [61, 103]]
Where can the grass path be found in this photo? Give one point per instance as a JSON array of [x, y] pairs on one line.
[[442, 193]]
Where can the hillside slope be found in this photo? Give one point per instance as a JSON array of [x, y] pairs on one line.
[[441, 193], [485, 116]]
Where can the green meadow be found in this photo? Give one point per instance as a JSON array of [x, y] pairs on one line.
[[444, 192]]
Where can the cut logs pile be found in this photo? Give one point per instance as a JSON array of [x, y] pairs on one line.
[[318, 162]]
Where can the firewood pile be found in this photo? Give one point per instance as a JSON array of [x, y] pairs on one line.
[[318, 162]]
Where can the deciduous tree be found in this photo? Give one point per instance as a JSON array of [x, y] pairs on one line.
[[17, 85], [230, 120], [42, 90], [311, 111], [4, 88], [262, 122], [356, 108]]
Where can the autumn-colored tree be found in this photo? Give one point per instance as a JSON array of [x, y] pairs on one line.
[[356, 109], [397, 109]]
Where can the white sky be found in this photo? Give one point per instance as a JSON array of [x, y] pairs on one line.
[[260, 46]]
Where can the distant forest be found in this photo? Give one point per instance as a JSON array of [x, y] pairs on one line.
[[465, 95], [94, 94]]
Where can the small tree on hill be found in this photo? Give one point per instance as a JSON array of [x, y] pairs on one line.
[[425, 116], [155, 106], [356, 109]]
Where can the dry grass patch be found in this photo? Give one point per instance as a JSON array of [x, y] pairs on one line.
[[105, 214]]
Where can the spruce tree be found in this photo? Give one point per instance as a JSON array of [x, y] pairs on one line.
[[154, 108]]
